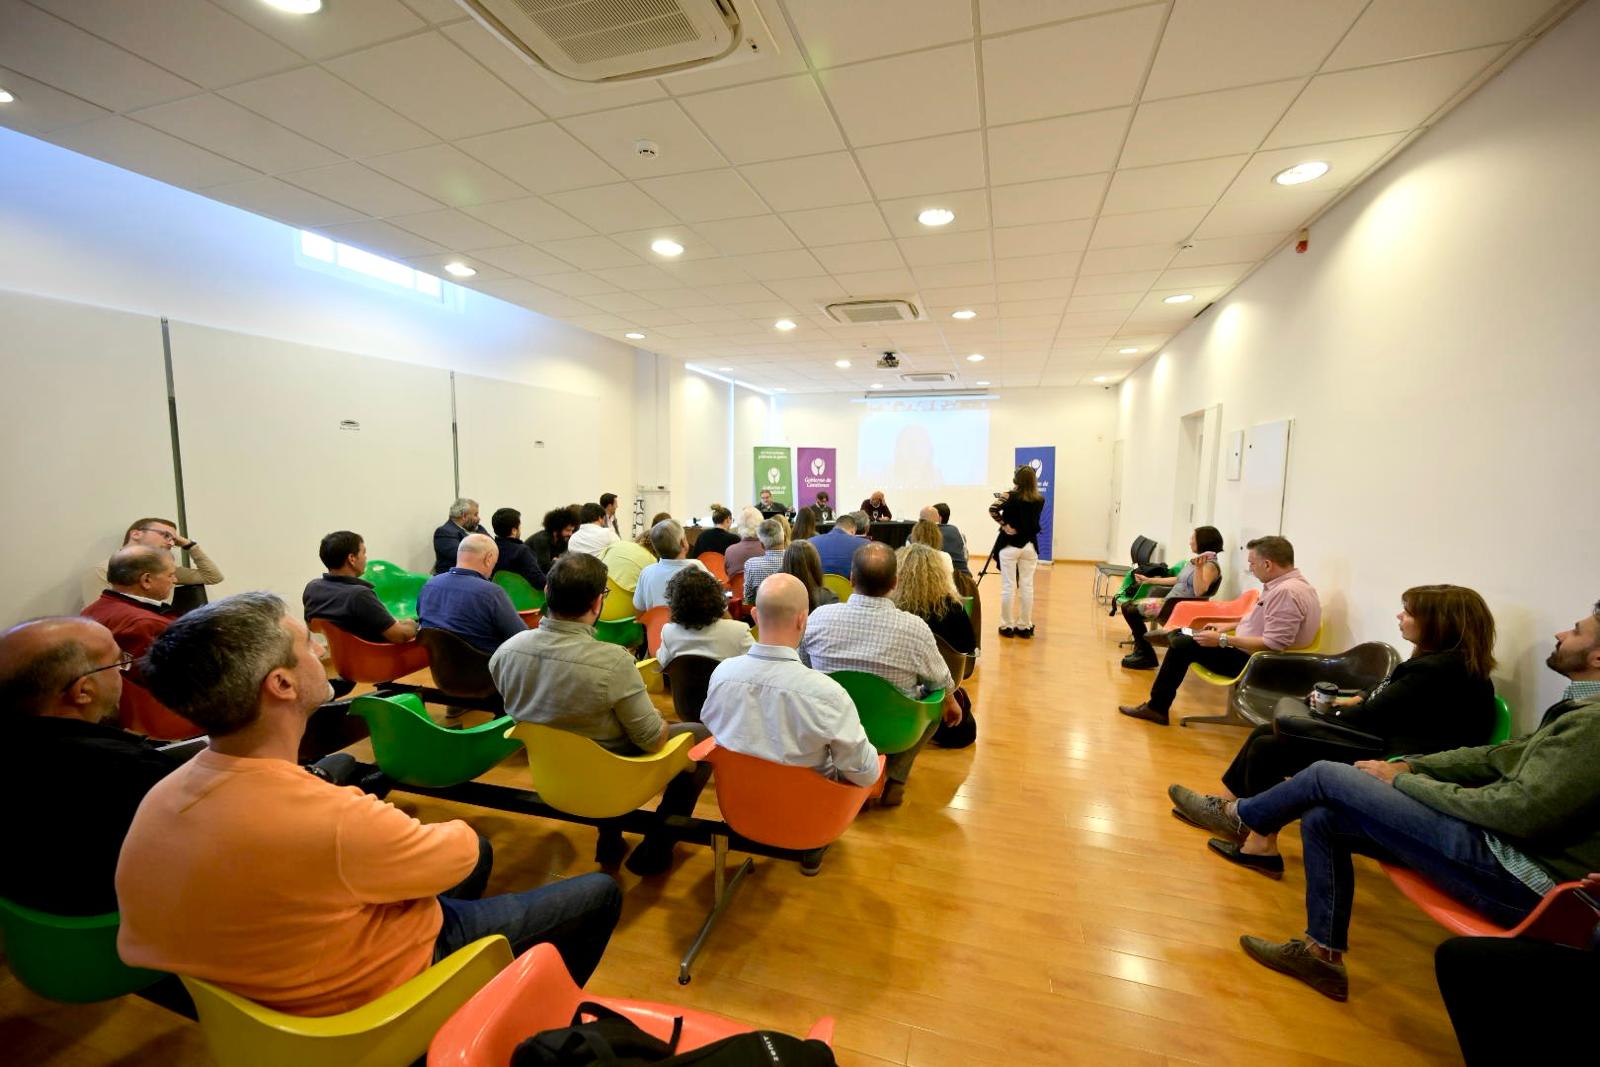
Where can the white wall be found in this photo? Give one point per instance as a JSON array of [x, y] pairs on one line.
[[753, 425], [1436, 348]]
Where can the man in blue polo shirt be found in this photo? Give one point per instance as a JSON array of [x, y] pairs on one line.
[[838, 546], [464, 601]]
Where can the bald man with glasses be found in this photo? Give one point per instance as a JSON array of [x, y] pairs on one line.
[[162, 535]]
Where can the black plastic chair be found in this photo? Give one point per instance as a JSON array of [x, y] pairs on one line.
[[960, 663], [1269, 676], [460, 672], [1142, 550], [689, 677]]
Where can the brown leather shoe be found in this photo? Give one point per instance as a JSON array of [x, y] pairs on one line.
[[1143, 711], [1295, 959]]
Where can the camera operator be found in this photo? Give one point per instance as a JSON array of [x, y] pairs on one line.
[[1017, 511]]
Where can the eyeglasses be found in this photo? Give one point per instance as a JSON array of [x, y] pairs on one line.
[[124, 663], [166, 535]]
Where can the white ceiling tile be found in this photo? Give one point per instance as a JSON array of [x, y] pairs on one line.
[[457, 98], [1031, 268], [1105, 301], [613, 208], [657, 317], [945, 248], [807, 292], [711, 313], [999, 16], [1019, 309], [1152, 304], [705, 195], [1038, 327], [1287, 210], [365, 190], [876, 283], [639, 242], [770, 266], [971, 208], [979, 298], [545, 301], [133, 147], [1056, 148], [278, 200], [61, 55], [593, 289], [1045, 238], [759, 233], [609, 324], [1056, 200], [677, 298], [769, 120], [337, 28], [435, 11], [1075, 66], [1347, 161], [866, 255], [529, 219], [1038, 289], [1089, 322], [1146, 227], [454, 230], [1404, 29], [738, 293], [543, 158], [1222, 274], [1207, 252], [643, 278], [912, 168], [922, 94], [229, 130], [1193, 184], [853, 223], [447, 174], [1218, 44], [1399, 96], [690, 332], [1209, 124], [845, 31], [434, 265], [192, 38], [542, 90], [812, 182], [38, 108], [315, 104], [382, 238], [613, 134], [706, 272], [1131, 282], [591, 253], [944, 275], [1124, 260]]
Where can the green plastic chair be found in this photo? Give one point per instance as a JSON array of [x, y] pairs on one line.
[[395, 586], [524, 597], [966, 605], [1502, 721], [629, 633], [69, 958], [414, 750], [894, 722]]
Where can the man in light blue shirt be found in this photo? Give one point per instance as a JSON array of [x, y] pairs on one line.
[[464, 601], [666, 537]]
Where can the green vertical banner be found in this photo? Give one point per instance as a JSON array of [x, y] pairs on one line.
[[772, 471]]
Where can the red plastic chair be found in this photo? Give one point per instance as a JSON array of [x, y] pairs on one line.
[[142, 713], [1188, 612], [716, 563], [363, 661], [1565, 916], [653, 620], [530, 618], [736, 606], [778, 805], [535, 993]]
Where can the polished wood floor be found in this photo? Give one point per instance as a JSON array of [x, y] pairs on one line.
[[1032, 902]]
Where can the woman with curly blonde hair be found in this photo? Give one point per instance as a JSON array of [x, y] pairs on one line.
[[923, 589]]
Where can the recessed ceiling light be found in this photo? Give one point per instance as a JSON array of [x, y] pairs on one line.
[[663, 246], [1181, 298], [1300, 173], [296, 7], [639, 337], [5, 97], [937, 216], [459, 269], [983, 383], [1099, 377], [975, 358], [875, 385], [964, 313], [841, 363], [783, 324], [1127, 351]]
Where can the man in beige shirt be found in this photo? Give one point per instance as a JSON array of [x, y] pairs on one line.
[[162, 535]]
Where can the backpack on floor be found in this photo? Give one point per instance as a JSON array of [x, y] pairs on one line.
[[962, 733], [611, 1039]]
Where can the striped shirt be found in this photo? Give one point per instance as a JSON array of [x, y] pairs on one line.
[[871, 634]]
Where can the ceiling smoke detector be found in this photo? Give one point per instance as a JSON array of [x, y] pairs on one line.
[[872, 312], [646, 149]]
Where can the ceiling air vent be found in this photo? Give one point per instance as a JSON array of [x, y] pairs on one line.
[[620, 40], [870, 312], [929, 378]]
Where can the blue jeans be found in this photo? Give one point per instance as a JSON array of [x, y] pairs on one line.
[[1344, 812], [576, 915]]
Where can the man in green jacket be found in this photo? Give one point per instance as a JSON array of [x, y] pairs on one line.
[[1496, 827]]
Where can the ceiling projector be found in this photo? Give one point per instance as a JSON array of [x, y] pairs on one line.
[[890, 361]]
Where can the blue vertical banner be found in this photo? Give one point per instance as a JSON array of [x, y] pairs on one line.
[[1043, 461]]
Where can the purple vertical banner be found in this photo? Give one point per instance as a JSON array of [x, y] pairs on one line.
[[1043, 461], [815, 473]]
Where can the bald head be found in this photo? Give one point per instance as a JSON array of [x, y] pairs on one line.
[[478, 552], [138, 570], [872, 569], [930, 514], [46, 665], [781, 608]]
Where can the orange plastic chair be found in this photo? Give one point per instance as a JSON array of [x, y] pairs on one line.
[[785, 807], [536, 993], [653, 620], [1565, 916], [716, 563], [363, 661], [530, 618], [736, 606], [142, 713], [1186, 613]]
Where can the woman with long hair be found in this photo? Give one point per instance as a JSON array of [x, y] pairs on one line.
[[719, 536], [805, 524], [1439, 699], [1200, 577], [801, 560], [1018, 513], [924, 532], [922, 589]]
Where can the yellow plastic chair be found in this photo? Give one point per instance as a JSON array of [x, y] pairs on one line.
[[575, 775], [392, 1031], [618, 603], [840, 586], [650, 672], [1214, 678]]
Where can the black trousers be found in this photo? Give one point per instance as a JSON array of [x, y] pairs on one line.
[[1265, 759], [1181, 654], [1508, 997]]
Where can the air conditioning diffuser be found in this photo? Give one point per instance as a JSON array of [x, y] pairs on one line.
[[928, 377], [871, 312]]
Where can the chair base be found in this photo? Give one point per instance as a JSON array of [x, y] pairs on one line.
[[430, 695], [722, 896], [1232, 718]]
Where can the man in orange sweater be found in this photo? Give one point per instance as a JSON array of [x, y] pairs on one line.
[[243, 870]]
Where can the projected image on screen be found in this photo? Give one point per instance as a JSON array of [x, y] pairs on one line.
[[918, 444]]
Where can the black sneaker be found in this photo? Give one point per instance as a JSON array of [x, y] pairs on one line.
[[1007, 631], [610, 848], [1143, 660], [1025, 632], [1295, 959], [811, 862]]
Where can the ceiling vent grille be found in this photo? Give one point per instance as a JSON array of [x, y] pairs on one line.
[[928, 378], [872, 312], [621, 40]]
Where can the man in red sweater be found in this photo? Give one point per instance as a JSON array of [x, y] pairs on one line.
[[134, 608]]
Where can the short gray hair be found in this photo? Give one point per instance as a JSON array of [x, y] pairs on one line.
[[666, 537], [462, 505], [846, 521], [772, 533], [749, 522], [863, 523], [208, 666]]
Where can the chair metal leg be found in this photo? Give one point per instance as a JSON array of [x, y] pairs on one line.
[[1231, 718], [722, 893]]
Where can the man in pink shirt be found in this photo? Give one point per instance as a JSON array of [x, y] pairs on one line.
[[1287, 616], [242, 869]]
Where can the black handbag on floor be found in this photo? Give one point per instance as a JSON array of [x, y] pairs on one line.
[[611, 1039], [962, 733]]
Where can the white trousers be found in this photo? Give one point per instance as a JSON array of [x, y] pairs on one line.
[[1016, 575]]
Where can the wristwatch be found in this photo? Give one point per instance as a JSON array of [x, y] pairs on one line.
[[1222, 640]]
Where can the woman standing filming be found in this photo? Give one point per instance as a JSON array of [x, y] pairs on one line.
[[1018, 513]]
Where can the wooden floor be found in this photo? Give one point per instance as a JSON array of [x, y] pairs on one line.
[[1032, 902]]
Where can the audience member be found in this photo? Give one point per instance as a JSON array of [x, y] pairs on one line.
[[927, 533], [868, 633], [824, 507], [718, 537], [594, 531], [161, 535], [837, 547], [624, 561], [465, 602], [748, 545], [447, 538], [1018, 513], [608, 503], [1288, 615], [1199, 578], [303, 896], [950, 537], [515, 556], [773, 540], [699, 623], [876, 508], [133, 608], [559, 675], [1496, 827], [643, 540], [549, 542], [805, 525], [344, 598], [1440, 699], [923, 589], [672, 551], [801, 560], [66, 762], [771, 508]]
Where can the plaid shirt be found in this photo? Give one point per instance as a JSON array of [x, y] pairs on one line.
[[771, 562], [870, 634]]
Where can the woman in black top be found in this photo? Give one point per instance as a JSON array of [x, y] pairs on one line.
[[923, 589], [551, 540], [1018, 514], [720, 537]]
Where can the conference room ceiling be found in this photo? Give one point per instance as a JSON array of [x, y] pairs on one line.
[[1099, 155]]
